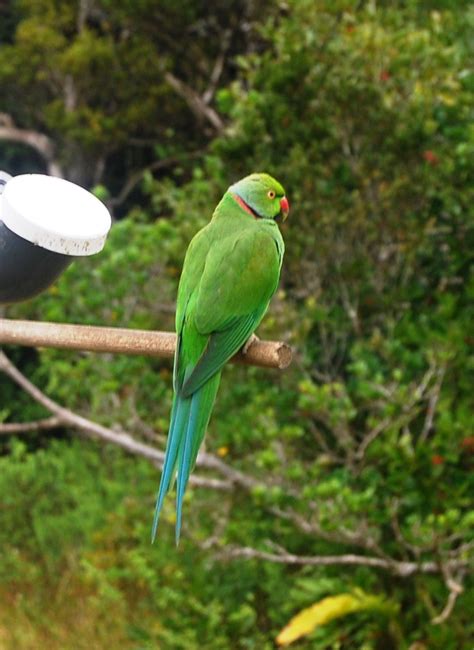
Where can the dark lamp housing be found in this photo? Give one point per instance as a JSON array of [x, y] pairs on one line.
[[45, 223]]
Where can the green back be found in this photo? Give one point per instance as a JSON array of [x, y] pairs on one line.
[[230, 273]]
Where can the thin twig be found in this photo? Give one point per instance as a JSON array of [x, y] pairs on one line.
[[136, 178], [37, 425], [399, 536], [339, 536], [455, 590], [195, 102], [370, 437], [432, 404], [218, 67], [401, 568]]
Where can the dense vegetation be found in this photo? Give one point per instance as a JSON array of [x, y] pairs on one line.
[[364, 447]]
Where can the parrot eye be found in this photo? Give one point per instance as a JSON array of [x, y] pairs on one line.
[[271, 194]]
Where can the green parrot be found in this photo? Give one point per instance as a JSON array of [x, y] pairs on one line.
[[231, 270]]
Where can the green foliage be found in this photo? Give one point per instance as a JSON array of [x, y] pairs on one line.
[[76, 532], [363, 112], [93, 77]]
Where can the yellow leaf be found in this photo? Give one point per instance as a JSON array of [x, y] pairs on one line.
[[319, 614]]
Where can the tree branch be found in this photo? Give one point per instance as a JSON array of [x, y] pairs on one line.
[[137, 176], [37, 141], [7, 428], [218, 67], [370, 437], [432, 404], [267, 354], [455, 590], [195, 102], [400, 568]]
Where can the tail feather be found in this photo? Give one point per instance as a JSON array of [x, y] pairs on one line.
[[185, 456], [178, 424], [189, 420], [208, 391]]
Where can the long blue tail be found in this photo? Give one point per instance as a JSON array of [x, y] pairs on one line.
[[179, 419], [189, 420]]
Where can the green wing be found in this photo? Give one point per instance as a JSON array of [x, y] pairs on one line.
[[193, 269], [220, 348], [240, 276]]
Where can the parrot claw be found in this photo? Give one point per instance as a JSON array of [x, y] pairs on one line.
[[253, 338]]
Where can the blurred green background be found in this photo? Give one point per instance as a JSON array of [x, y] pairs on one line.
[[365, 446]]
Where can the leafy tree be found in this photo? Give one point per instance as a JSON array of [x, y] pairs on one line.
[[103, 89]]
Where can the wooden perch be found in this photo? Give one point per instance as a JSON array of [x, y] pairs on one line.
[[267, 354]]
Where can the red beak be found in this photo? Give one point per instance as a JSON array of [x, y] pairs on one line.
[[285, 207]]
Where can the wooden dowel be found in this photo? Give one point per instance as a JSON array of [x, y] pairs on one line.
[[267, 354]]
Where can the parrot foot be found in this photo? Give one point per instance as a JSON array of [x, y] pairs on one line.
[[253, 338]]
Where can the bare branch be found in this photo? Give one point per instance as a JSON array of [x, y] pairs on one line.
[[455, 590], [416, 550], [420, 390], [208, 482], [308, 527], [135, 178], [432, 404], [370, 437], [400, 568], [461, 550], [351, 309], [267, 354], [7, 428], [236, 477], [70, 93], [84, 10], [218, 67], [319, 437], [38, 141], [195, 102]]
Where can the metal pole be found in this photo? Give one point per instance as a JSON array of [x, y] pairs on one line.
[[267, 354]]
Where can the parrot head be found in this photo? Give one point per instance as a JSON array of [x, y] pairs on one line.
[[262, 196]]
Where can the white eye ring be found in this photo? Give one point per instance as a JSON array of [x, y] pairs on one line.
[[271, 194]]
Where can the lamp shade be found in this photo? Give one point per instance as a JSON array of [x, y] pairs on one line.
[[45, 223]]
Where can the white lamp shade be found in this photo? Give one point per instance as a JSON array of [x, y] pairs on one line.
[[55, 214]]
